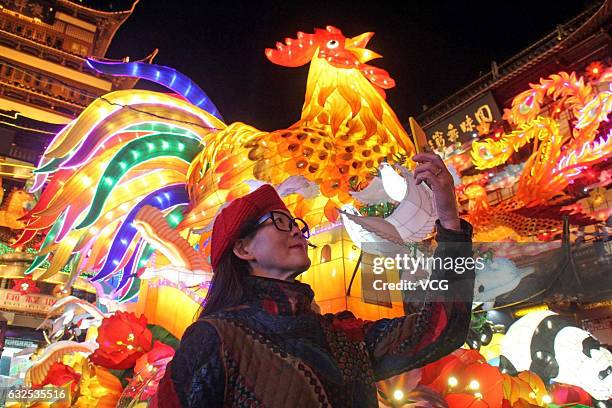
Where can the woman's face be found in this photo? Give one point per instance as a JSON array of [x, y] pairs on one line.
[[274, 253]]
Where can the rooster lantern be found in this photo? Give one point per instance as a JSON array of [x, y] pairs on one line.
[[140, 171]]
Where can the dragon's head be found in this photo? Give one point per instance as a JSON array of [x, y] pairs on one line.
[[330, 44]]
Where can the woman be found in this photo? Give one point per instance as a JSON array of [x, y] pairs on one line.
[[259, 341]]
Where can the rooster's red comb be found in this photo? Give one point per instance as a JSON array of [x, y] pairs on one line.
[[299, 51]]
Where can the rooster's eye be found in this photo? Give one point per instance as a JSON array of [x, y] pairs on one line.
[[333, 44]]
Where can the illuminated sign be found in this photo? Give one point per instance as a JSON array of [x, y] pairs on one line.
[[460, 127], [20, 343], [31, 303]]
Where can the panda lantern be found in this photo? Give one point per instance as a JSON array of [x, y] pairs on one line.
[[550, 346]]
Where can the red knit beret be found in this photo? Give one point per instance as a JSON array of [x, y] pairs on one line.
[[226, 229]]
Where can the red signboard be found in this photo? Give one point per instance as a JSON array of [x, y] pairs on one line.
[[31, 303]]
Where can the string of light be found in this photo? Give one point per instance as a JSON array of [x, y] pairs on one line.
[[185, 122]]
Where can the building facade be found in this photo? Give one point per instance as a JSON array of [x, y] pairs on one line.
[[43, 74], [45, 83]]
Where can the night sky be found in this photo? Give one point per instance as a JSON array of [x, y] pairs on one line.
[[431, 48]]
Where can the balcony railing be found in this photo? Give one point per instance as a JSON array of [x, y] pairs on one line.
[[23, 154], [39, 99], [44, 36], [17, 78]]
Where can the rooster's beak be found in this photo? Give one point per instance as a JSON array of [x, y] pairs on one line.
[[357, 46]]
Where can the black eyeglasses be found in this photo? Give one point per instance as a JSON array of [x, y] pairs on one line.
[[284, 223]]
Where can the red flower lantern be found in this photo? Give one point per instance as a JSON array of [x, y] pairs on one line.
[[25, 286], [594, 70], [466, 401], [570, 394], [159, 352], [123, 338], [443, 375], [60, 375], [465, 379], [148, 366]]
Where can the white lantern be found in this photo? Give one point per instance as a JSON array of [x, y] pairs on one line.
[[550, 346], [411, 221]]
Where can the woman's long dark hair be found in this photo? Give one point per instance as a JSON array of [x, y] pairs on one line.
[[227, 285], [226, 288]]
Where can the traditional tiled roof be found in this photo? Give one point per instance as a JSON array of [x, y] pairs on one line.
[[576, 30], [81, 7]]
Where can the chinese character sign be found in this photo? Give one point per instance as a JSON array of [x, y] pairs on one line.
[[474, 119]]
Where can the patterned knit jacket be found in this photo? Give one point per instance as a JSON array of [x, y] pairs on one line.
[[274, 351]]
